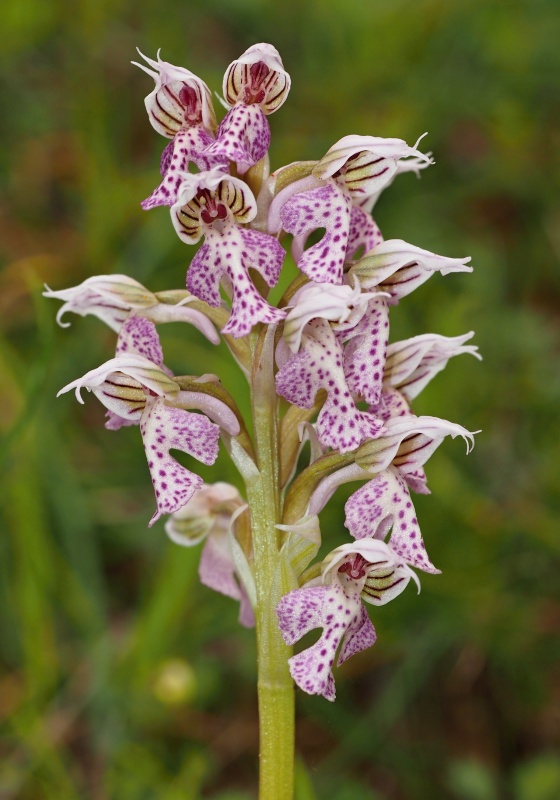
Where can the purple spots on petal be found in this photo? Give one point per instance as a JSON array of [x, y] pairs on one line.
[[367, 349], [139, 335], [375, 508], [303, 610], [318, 365], [363, 234], [243, 137], [302, 214], [177, 429], [186, 147]]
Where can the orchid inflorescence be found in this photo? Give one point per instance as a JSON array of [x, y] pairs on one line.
[[337, 382]]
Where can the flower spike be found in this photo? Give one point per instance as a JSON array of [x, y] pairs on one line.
[[318, 363]]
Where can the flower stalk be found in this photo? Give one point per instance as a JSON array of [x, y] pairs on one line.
[[275, 685], [320, 368], [275, 688]]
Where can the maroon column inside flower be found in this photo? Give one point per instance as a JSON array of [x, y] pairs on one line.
[[191, 102], [254, 92], [356, 568], [212, 209]]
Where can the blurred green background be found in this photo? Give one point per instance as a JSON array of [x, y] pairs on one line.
[[121, 676]]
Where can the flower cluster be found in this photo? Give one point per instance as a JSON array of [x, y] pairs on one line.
[[342, 384]]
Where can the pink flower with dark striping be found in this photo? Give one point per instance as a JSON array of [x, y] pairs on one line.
[[353, 169]]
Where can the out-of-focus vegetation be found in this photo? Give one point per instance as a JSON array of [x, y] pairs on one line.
[[122, 677]]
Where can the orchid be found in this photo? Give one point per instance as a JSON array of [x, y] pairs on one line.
[[368, 571], [255, 85], [180, 108], [320, 365], [384, 502], [214, 205], [210, 516], [136, 388], [396, 267], [353, 169], [113, 298]]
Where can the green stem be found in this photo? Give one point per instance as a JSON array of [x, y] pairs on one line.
[[275, 685]]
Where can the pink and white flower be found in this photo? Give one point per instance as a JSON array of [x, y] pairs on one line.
[[210, 517], [367, 571], [396, 267], [384, 503], [113, 298], [214, 205], [138, 390], [180, 108], [395, 458], [353, 169], [255, 85]]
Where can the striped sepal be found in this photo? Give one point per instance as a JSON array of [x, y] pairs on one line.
[[258, 77]]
